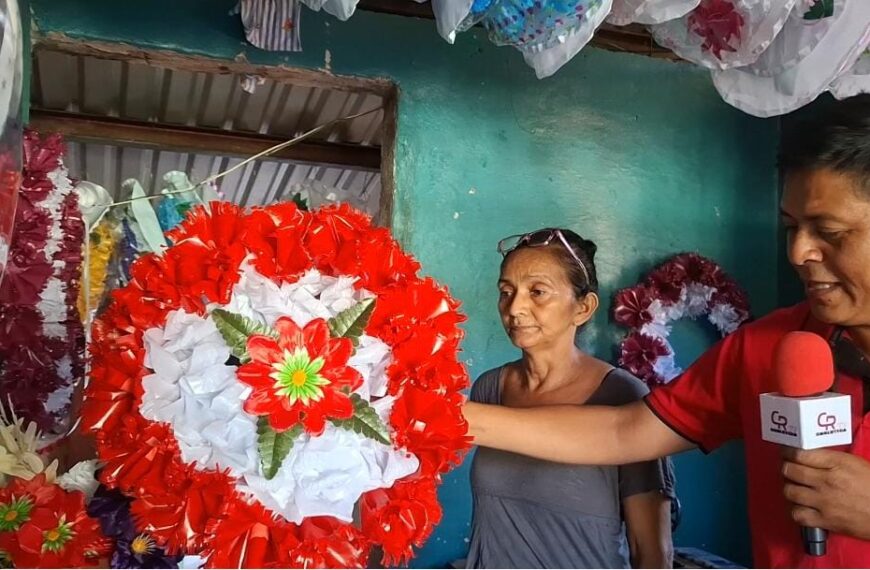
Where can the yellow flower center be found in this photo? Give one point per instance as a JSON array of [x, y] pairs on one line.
[[142, 544], [52, 535], [11, 516], [298, 378]]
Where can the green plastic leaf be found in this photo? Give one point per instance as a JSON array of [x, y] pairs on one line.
[[351, 323], [365, 421], [236, 329], [300, 202], [274, 446]]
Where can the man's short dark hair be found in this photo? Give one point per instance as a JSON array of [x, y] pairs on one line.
[[835, 137]]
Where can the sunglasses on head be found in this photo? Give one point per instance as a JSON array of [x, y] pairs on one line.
[[540, 238]]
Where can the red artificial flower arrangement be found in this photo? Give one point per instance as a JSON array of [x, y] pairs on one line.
[[259, 348], [687, 285], [44, 526]]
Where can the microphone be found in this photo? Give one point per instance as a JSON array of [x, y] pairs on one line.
[[801, 412]]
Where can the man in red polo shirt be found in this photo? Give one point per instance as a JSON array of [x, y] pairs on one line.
[[825, 165]]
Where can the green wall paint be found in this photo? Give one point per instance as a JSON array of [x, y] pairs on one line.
[[640, 155], [27, 68]]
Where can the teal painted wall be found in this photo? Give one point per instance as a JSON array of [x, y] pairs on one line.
[[24, 7], [640, 155]]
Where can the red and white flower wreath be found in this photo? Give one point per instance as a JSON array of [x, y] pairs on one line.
[[279, 388], [688, 285]]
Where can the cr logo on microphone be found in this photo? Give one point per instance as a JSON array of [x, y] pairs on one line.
[[828, 425], [779, 424], [779, 419], [826, 420]]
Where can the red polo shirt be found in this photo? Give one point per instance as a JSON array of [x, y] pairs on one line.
[[716, 400]]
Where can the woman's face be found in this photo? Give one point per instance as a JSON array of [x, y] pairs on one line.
[[536, 300]]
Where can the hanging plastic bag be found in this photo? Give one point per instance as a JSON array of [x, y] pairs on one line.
[[855, 80], [815, 47], [725, 34], [625, 12]]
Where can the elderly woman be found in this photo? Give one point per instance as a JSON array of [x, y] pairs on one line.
[[530, 513]]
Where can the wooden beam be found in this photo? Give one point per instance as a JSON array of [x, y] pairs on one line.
[[104, 130], [317, 78], [632, 39], [388, 162]]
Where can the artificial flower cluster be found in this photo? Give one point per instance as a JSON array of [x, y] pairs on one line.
[[279, 388], [66, 521], [41, 337], [43, 522], [688, 285], [43, 525]]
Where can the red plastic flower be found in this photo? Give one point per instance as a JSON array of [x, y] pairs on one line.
[[20, 327], [208, 250], [47, 527], [401, 517], [421, 305], [377, 259], [27, 272], [701, 270], [639, 352], [136, 454], [431, 427], [328, 543], [302, 376], [719, 24], [334, 233], [31, 226], [177, 509], [249, 536], [115, 377], [426, 357], [275, 236], [42, 154], [731, 294], [152, 293], [668, 281], [19, 499], [10, 184], [631, 306]]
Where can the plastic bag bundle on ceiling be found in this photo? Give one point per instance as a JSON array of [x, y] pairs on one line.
[[768, 57], [547, 32], [722, 34], [817, 50]]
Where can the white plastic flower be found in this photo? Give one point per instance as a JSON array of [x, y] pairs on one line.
[[82, 477]]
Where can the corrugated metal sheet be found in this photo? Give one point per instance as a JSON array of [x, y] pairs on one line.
[[258, 182], [138, 91]]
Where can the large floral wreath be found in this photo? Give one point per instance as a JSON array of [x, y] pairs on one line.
[[279, 388], [688, 285]]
